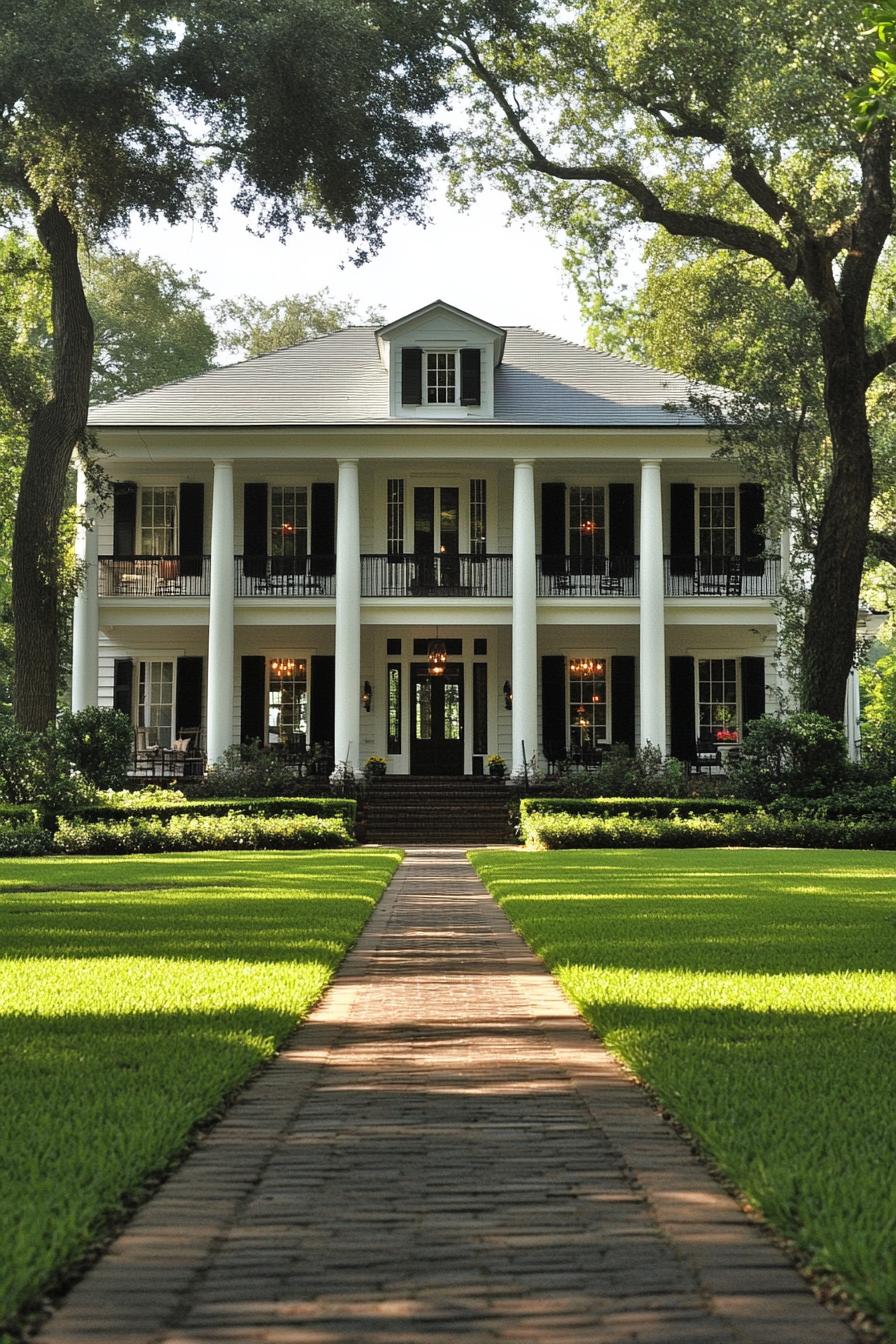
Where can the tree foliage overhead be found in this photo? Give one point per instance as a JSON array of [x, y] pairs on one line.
[[250, 327], [732, 127], [314, 110]]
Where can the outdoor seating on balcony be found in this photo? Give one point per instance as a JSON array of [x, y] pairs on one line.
[[154, 575], [575, 576], [284, 576], [722, 575]]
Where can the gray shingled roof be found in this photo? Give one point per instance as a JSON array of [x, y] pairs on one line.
[[339, 380]]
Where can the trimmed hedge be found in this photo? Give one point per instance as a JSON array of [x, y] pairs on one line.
[[24, 839], [759, 829], [235, 830], [153, 805], [12, 812], [635, 807]]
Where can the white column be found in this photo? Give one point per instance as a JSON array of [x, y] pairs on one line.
[[86, 622], [219, 735], [653, 628], [524, 663], [347, 729]]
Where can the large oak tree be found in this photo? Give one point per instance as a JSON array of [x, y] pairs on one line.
[[732, 125], [311, 109]]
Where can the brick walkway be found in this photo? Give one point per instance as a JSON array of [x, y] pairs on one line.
[[442, 1152]]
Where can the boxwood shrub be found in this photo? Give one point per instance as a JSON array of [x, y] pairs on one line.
[[234, 830], [635, 807], [168, 803], [559, 830], [24, 839]]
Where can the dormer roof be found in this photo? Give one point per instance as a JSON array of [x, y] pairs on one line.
[[391, 330]]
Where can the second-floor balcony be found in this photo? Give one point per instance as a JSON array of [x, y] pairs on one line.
[[438, 576]]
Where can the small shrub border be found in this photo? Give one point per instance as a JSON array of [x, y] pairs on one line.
[[634, 807], [758, 829], [234, 830], [161, 804], [24, 840]]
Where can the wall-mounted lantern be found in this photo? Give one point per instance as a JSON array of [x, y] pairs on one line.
[[508, 695], [367, 696]]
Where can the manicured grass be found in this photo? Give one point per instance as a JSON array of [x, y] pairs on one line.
[[755, 993], [136, 993]]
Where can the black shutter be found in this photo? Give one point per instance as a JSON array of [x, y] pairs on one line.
[[191, 518], [681, 529], [255, 529], [323, 528], [553, 527], [621, 519], [622, 688], [323, 699], [470, 377], [124, 518], [752, 685], [188, 706], [553, 705], [752, 524], [123, 686], [682, 709], [252, 704], [411, 376]]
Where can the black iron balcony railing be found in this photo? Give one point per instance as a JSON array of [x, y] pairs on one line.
[[285, 576], [574, 576], [722, 575], [154, 575], [425, 575]]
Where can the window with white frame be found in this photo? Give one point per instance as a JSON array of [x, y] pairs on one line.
[[587, 701], [289, 521], [441, 377], [395, 517], [478, 540], [155, 701], [717, 521], [287, 700], [587, 526], [717, 683], [158, 520]]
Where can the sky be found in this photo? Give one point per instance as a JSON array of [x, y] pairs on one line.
[[507, 273]]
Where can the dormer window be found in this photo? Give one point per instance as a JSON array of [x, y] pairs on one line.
[[441, 377]]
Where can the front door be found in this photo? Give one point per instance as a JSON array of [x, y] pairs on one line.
[[436, 537], [437, 721]]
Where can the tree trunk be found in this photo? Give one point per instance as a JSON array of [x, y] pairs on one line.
[[55, 430], [830, 636]]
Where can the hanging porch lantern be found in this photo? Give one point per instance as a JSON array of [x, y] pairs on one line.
[[437, 657]]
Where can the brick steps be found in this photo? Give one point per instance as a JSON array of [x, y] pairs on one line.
[[437, 810]]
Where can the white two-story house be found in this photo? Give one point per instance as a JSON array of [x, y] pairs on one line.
[[432, 541]]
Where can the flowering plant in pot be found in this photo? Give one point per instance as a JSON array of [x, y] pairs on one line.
[[375, 767], [497, 767]]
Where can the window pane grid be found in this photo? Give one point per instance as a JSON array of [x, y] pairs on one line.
[[440, 376], [395, 517], [587, 701], [289, 520], [287, 699], [478, 544], [718, 695], [158, 518], [156, 701], [717, 520], [586, 522]]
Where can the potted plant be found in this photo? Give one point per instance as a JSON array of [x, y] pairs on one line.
[[497, 767], [375, 767], [725, 716]]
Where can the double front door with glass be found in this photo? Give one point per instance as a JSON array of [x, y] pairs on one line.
[[437, 721]]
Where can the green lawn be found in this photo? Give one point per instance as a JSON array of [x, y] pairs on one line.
[[755, 993], [135, 994]]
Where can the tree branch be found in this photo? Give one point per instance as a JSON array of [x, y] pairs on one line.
[[687, 224]]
